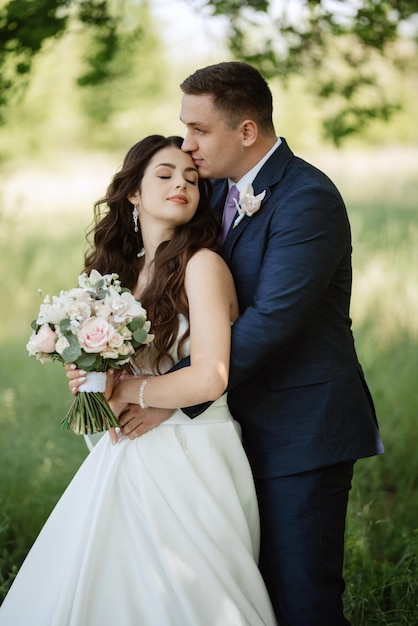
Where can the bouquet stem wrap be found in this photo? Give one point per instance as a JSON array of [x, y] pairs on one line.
[[90, 412]]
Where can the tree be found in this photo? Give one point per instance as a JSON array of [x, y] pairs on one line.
[[25, 26], [338, 45]]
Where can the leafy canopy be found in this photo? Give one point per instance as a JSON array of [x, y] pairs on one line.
[[338, 45]]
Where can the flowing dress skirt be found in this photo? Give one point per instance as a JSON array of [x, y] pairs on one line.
[[159, 531]]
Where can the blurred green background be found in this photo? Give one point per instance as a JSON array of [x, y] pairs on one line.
[[61, 144]]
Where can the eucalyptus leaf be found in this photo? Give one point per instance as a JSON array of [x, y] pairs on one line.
[[140, 336], [136, 324], [72, 340], [101, 294], [71, 354], [86, 361], [65, 325]]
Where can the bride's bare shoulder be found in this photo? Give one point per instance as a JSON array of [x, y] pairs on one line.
[[205, 257]]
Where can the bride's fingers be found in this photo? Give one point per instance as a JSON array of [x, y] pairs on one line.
[[71, 371], [75, 382], [110, 382], [113, 435]]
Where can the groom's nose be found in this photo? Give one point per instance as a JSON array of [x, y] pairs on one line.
[[189, 144]]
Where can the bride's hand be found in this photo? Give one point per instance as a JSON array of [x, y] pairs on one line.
[[77, 377]]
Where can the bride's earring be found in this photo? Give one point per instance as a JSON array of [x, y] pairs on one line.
[[135, 218]]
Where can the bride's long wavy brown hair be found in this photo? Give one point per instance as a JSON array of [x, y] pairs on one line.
[[114, 244]]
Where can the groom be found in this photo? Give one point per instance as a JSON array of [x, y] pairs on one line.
[[296, 385]]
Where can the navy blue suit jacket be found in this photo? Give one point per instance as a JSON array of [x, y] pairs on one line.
[[296, 385]]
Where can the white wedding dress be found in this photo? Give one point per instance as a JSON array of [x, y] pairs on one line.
[[159, 531]]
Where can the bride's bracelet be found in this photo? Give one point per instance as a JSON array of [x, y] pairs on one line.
[[141, 401]]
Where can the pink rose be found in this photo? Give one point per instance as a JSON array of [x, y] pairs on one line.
[[42, 341], [95, 334]]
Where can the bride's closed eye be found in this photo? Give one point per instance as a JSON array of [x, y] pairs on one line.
[[166, 177]]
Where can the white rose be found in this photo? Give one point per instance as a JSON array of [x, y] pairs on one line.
[[126, 349], [125, 333], [61, 344], [116, 341], [51, 313], [76, 294], [79, 312], [89, 281], [109, 353], [150, 336], [124, 306], [102, 309]]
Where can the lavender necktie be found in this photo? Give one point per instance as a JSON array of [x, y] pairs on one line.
[[229, 211]]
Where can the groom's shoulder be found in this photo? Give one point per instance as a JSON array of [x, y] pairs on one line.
[[218, 184]]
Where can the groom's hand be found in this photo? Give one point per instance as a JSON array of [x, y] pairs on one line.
[[134, 421]]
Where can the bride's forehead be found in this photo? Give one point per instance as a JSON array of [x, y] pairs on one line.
[[173, 156]]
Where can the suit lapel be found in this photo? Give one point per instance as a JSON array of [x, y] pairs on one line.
[[273, 170], [267, 178]]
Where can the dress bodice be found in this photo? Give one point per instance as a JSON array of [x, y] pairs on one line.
[[142, 363]]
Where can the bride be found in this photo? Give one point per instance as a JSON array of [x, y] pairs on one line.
[[162, 529]]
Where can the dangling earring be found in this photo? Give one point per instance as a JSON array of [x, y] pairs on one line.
[[135, 218]]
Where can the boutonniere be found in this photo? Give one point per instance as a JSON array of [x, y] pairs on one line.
[[248, 203]]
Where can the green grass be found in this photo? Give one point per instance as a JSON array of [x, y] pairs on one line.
[[38, 457], [45, 245], [382, 525]]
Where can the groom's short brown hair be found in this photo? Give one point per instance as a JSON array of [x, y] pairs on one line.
[[238, 89]]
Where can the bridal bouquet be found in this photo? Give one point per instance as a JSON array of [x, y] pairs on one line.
[[96, 326]]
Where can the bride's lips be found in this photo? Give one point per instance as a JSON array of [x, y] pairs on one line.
[[180, 198]]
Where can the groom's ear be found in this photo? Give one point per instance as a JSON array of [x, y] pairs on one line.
[[249, 132]]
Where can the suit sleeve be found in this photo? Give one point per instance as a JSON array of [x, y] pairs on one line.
[[307, 249]]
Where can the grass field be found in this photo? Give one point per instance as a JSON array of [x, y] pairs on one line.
[[44, 212]]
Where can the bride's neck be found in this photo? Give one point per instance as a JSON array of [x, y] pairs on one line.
[[144, 277]]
